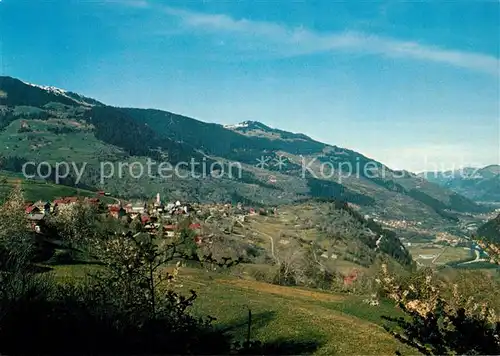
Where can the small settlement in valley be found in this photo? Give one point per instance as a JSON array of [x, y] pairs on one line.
[[152, 214]]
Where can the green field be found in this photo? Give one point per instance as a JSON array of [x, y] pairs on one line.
[[295, 320], [442, 254], [42, 145], [40, 190]]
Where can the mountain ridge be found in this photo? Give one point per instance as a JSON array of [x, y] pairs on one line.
[[97, 131], [479, 184]]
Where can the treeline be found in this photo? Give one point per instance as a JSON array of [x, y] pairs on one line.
[[390, 243], [355, 225], [61, 130], [12, 163], [216, 140], [319, 188], [116, 127]]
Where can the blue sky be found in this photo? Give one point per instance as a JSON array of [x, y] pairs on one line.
[[412, 84]]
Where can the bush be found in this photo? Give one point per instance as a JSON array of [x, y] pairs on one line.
[[61, 257], [81, 320], [438, 323]]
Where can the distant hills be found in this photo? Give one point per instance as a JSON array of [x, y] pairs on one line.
[[40, 123], [479, 184]]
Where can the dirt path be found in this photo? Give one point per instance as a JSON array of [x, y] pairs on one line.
[[269, 237]]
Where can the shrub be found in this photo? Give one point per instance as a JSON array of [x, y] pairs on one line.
[[436, 323]]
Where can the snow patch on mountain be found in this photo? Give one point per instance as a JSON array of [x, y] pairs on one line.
[[236, 126], [62, 92], [48, 88]]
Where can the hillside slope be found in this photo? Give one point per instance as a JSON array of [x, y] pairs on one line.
[[297, 155], [490, 230], [277, 167], [294, 320]]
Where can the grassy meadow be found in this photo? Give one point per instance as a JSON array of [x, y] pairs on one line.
[[296, 320], [35, 190]]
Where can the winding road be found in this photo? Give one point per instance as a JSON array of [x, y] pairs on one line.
[[478, 258]]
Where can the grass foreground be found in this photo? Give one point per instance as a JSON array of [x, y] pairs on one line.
[[293, 320]]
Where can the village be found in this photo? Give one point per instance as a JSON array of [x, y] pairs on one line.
[[151, 214], [154, 212]]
